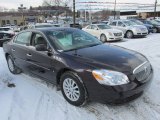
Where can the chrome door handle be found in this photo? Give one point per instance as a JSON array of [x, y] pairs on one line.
[[29, 55], [13, 50]]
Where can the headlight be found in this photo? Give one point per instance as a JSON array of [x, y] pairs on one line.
[[110, 33], [112, 78], [137, 29]]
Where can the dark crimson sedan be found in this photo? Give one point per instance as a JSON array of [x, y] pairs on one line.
[[78, 63]]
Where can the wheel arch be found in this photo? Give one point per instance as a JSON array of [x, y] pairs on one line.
[[129, 31], [6, 55], [60, 73]]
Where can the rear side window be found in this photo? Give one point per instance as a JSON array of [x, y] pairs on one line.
[[23, 38]]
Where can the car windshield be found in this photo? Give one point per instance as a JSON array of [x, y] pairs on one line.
[[137, 22], [129, 23], [67, 40], [154, 22], [104, 27]]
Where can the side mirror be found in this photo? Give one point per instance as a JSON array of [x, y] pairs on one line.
[[41, 47], [123, 25]]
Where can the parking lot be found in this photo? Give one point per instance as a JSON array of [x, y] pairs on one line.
[[33, 99]]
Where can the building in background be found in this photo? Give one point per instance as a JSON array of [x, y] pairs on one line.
[[33, 15], [148, 11]]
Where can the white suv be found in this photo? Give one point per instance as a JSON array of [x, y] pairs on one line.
[[129, 28]]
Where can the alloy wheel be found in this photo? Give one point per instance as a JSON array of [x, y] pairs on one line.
[[103, 38], [71, 89], [11, 64], [129, 34]]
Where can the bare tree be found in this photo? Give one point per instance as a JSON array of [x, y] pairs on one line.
[[57, 4]]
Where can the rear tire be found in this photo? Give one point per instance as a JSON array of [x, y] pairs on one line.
[[129, 34], [103, 38], [11, 65], [73, 89]]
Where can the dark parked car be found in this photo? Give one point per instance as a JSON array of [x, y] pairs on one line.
[[4, 36], [149, 26], [77, 25], [156, 25], [78, 63]]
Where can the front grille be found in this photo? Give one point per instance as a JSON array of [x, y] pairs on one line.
[[143, 71], [143, 29], [117, 34], [144, 33]]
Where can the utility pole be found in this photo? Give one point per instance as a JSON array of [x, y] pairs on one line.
[[74, 14], [115, 9], [22, 8], [155, 7]]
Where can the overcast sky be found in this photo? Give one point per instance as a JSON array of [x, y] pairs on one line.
[[27, 3]]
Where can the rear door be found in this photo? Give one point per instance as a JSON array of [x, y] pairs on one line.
[[19, 49]]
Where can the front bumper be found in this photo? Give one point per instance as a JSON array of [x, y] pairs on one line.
[[114, 38], [140, 33], [117, 94], [150, 30]]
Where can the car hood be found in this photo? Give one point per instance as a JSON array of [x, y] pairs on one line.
[[139, 26], [109, 57], [148, 25], [112, 30]]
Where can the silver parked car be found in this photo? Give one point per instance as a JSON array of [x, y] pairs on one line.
[[129, 28], [104, 32]]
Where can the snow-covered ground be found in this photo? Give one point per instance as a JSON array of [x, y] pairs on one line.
[[33, 99]]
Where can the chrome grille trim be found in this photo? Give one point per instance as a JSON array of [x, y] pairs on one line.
[[117, 34], [135, 70], [142, 71]]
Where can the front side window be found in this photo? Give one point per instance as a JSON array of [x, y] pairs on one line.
[[120, 24], [93, 27], [113, 24], [71, 39], [38, 39], [129, 23], [23, 38], [89, 27]]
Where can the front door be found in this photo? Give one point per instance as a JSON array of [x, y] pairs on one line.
[[40, 61]]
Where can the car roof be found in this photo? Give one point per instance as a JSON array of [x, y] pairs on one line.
[[119, 20], [98, 24], [50, 28]]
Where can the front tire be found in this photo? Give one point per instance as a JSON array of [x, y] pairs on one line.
[[103, 38], [11, 65], [155, 30], [129, 34], [73, 89]]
